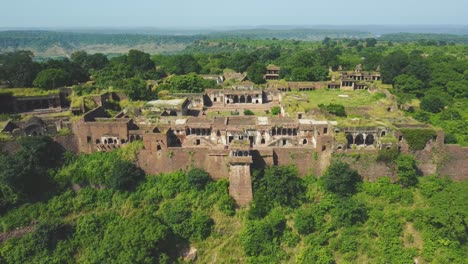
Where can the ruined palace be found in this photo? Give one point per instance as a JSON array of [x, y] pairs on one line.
[[188, 130]]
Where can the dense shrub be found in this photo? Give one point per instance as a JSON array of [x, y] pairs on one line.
[[418, 138], [406, 170], [304, 221], [349, 211], [198, 178], [334, 109], [340, 179], [276, 185]]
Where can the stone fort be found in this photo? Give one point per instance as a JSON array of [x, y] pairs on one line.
[[186, 131]]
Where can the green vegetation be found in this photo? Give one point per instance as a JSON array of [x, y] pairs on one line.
[[291, 220], [27, 91], [341, 179], [248, 112], [418, 138], [334, 109]]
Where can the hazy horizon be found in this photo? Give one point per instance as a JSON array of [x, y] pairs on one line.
[[210, 14]]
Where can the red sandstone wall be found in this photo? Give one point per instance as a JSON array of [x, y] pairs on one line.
[[240, 184], [455, 164], [304, 159], [172, 159]]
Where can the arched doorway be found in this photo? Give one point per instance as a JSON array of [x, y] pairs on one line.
[[349, 139], [236, 99], [359, 139], [249, 99], [369, 140], [242, 99]]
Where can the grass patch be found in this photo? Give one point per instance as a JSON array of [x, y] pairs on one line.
[[21, 92]]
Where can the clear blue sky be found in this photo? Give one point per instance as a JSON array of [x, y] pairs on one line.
[[218, 13]]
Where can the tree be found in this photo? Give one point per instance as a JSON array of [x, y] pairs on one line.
[[406, 170], [432, 104], [52, 79], [181, 64], [304, 221], [371, 42], [349, 211], [419, 68], [393, 65], [190, 83], [136, 89], [255, 73], [139, 60], [408, 84], [76, 73], [340, 179], [316, 73], [450, 114], [124, 176], [248, 112], [276, 185], [334, 109], [198, 178], [275, 110], [17, 69], [282, 185]]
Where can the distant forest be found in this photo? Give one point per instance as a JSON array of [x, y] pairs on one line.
[[46, 44]]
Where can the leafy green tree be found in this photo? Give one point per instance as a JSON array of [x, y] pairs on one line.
[[51, 79], [408, 84], [334, 109], [340, 179], [124, 176], [190, 83], [277, 185], [202, 226], [139, 60], [304, 221], [262, 237], [406, 170], [432, 104], [349, 211], [282, 185], [371, 42], [75, 72], [315, 73], [17, 69], [137, 89], [419, 68], [248, 112], [181, 64], [198, 178], [313, 254], [240, 61], [255, 73], [450, 114], [393, 65], [275, 110], [448, 212]]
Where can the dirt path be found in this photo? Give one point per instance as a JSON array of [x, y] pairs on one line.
[[16, 233]]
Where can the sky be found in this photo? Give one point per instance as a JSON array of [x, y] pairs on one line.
[[236, 13]]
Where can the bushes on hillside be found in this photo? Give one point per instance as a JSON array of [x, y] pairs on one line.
[[334, 109], [276, 185], [340, 179]]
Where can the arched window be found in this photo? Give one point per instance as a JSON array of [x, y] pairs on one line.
[[359, 139]]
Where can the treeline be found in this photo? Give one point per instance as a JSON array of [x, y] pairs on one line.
[[426, 39], [42, 40], [337, 218]]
